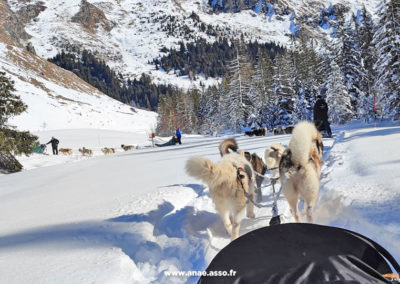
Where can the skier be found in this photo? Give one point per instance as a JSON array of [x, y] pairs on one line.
[[321, 115], [54, 145], [178, 134]]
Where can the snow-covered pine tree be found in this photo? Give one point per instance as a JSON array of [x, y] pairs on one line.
[[365, 29], [237, 99], [352, 68], [212, 111], [284, 88], [337, 97], [207, 107], [300, 75], [185, 109], [12, 142], [309, 77], [387, 65], [263, 95]]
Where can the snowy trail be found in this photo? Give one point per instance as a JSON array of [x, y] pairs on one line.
[[128, 217], [360, 185], [138, 206]]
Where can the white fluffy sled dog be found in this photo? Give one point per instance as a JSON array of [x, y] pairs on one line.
[[227, 181], [300, 168]]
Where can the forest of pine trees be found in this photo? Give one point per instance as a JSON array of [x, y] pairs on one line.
[[140, 93], [209, 60], [264, 85], [358, 67]]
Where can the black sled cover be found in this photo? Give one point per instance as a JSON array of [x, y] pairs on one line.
[[302, 253]]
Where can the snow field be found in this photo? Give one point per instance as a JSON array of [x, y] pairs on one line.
[[128, 217]]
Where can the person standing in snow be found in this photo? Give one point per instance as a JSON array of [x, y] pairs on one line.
[[321, 115], [178, 134], [54, 145]]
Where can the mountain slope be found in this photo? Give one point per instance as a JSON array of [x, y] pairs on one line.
[[57, 98], [128, 34]]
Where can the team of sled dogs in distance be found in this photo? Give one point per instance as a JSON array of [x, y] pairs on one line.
[[232, 180], [276, 131], [88, 152]]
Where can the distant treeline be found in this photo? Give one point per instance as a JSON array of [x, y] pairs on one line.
[[141, 93], [233, 6], [210, 59]]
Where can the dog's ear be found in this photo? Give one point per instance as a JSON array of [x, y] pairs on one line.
[[242, 153], [286, 160], [249, 171], [247, 156]]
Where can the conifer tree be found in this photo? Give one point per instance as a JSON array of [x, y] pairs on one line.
[[284, 89], [263, 99], [12, 142], [387, 45], [365, 31], [352, 67], [240, 71], [214, 111], [337, 97]]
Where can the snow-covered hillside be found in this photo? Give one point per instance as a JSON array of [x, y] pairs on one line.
[[131, 216], [57, 99], [129, 34]]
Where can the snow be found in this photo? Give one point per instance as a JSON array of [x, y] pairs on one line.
[[139, 30], [130, 216], [76, 105]]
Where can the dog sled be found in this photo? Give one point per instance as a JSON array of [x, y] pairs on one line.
[[303, 253], [256, 132], [41, 149], [281, 130], [171, 142]]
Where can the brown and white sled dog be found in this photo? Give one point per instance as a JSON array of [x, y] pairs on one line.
[[85, 151], [108, 150], [300, 168], [259, 167], [128, 147], [66, 151], [227, 181]]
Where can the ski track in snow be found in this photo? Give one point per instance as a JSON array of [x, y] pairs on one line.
[[175, 226]]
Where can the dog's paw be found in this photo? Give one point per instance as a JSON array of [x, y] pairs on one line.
[[251, 215]]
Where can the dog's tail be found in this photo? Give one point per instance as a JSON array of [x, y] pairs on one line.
[[201, 168], [303, 142], [226, 145]]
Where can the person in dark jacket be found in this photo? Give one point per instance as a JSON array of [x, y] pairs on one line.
[[54, 145], [178, 134], [321, 115]]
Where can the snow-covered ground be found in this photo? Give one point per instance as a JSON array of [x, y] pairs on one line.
[[56, 97], [130, 216]]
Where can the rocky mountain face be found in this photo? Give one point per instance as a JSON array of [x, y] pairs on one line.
[[130, 34], [12, 23], [30, 11], [91, 17]]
